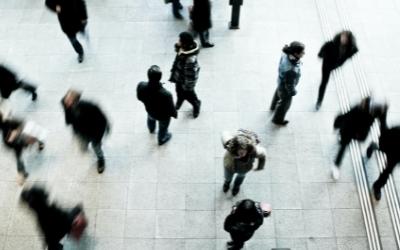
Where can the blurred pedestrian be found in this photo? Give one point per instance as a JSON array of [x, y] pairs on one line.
[[73, 19], [245, 218], [88, 122], [158, 102], [355, 125], [185, 72], [334, 54], [242, 150], [289, 75], [9, 82], [200, 13], [19, 135], [55, 222], [389, 143], [176, 7]]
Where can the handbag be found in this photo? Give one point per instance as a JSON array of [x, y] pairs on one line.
[[78, 226]]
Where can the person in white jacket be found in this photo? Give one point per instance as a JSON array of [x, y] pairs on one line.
[[242, 150]]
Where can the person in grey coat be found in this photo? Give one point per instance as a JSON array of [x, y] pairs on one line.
[[242, 150], [289, 75]]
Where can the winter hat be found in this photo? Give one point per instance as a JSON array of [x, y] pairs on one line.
[[186, 38]]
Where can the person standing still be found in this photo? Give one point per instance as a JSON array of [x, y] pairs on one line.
[[334, 54], [185, 72], [200, 13], [158, 102], [289, 75], [73, 19]]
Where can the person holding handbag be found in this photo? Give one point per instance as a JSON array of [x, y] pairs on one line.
[[200, 13]]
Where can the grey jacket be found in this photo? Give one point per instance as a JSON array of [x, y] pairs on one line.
[[289, 75]]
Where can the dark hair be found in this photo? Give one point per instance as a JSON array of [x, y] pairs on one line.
[[294, 47], [350, 36], [154, 73], [36, 197], [186, 39], [247, 211]]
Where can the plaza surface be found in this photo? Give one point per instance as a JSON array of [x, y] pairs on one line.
[[170, 197]]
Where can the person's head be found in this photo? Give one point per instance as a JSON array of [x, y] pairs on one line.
[[295, 49], [240, 146], [345, 38], [71, 98], [246, 210], [154, 73], [35, 197], [186, 40]]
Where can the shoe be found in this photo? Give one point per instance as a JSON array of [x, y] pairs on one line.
[[41, 146], [208, 45], [230, 243], [80, 58], [152, 131], [34, 96], [178, 16], [235, 191], [371, 149], [225, 187], [178, 106], [335, 173], [101, 165], [166, 138], [280, 123], [377, 192], [196, 111], [317, 106]]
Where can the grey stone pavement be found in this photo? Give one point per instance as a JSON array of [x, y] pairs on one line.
[[169, 197]]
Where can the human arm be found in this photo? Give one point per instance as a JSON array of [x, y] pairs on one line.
[[261, 156], [289, 81], [191, 70]]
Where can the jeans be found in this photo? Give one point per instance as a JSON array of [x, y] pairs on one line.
[[20, 162], [229, 176], [188, 95], [204, 37], [162, 129], [95, 145], [280, 103], [326, 72]]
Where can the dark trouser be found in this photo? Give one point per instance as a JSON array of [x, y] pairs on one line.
[[75, 43], [176, 6], [162, 127], [228, 174], [204, 36], [384, 176], [188, 95], [96, 145], [343, 145], [27, 87], [326, 72], [20, 162], [280, 103]]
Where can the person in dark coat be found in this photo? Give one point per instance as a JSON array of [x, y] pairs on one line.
[[16, 139], [185, 72], [9, 83], [201, 21], [334, 54], [158, 102], [389, 143], [73, 17], [54, 222], [355, 125], [88, 122], [289, 75], [246, 217]]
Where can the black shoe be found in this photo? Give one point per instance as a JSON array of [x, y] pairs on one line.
[[371, 149], [225, 187], [34, 96], [208, 45], [101, 165], [178, 16], [235, 191], [165, 139], [317, 106], [80, 58], [196, 110], [281, 123], [230, 243], [41, 146], [377, 192], [178, 106]]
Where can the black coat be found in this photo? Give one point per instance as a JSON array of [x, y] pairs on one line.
[[7, 127], [72, 15], [242, 231], [330, 53], [87, 120], [201, 15], [8, 82], [157, 100]]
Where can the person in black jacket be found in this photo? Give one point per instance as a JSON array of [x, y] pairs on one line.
[[158, 102], [9, 83], [88, 122], [355, 125], [334, 54], [389, 143], [72, 16], [54, 221], [246, 217], [15, 138], [185, 72], [201, 21]]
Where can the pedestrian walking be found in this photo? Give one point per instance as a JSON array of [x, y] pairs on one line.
[[55, 222], [176, 8], [185, 72], [200, 13], [245, 218], [389, 144], [334, 54], [73, 19], [242, 149], [289, 75], [9, 82], [19, 135], [158, 102], [88, 122], [355, 125]]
